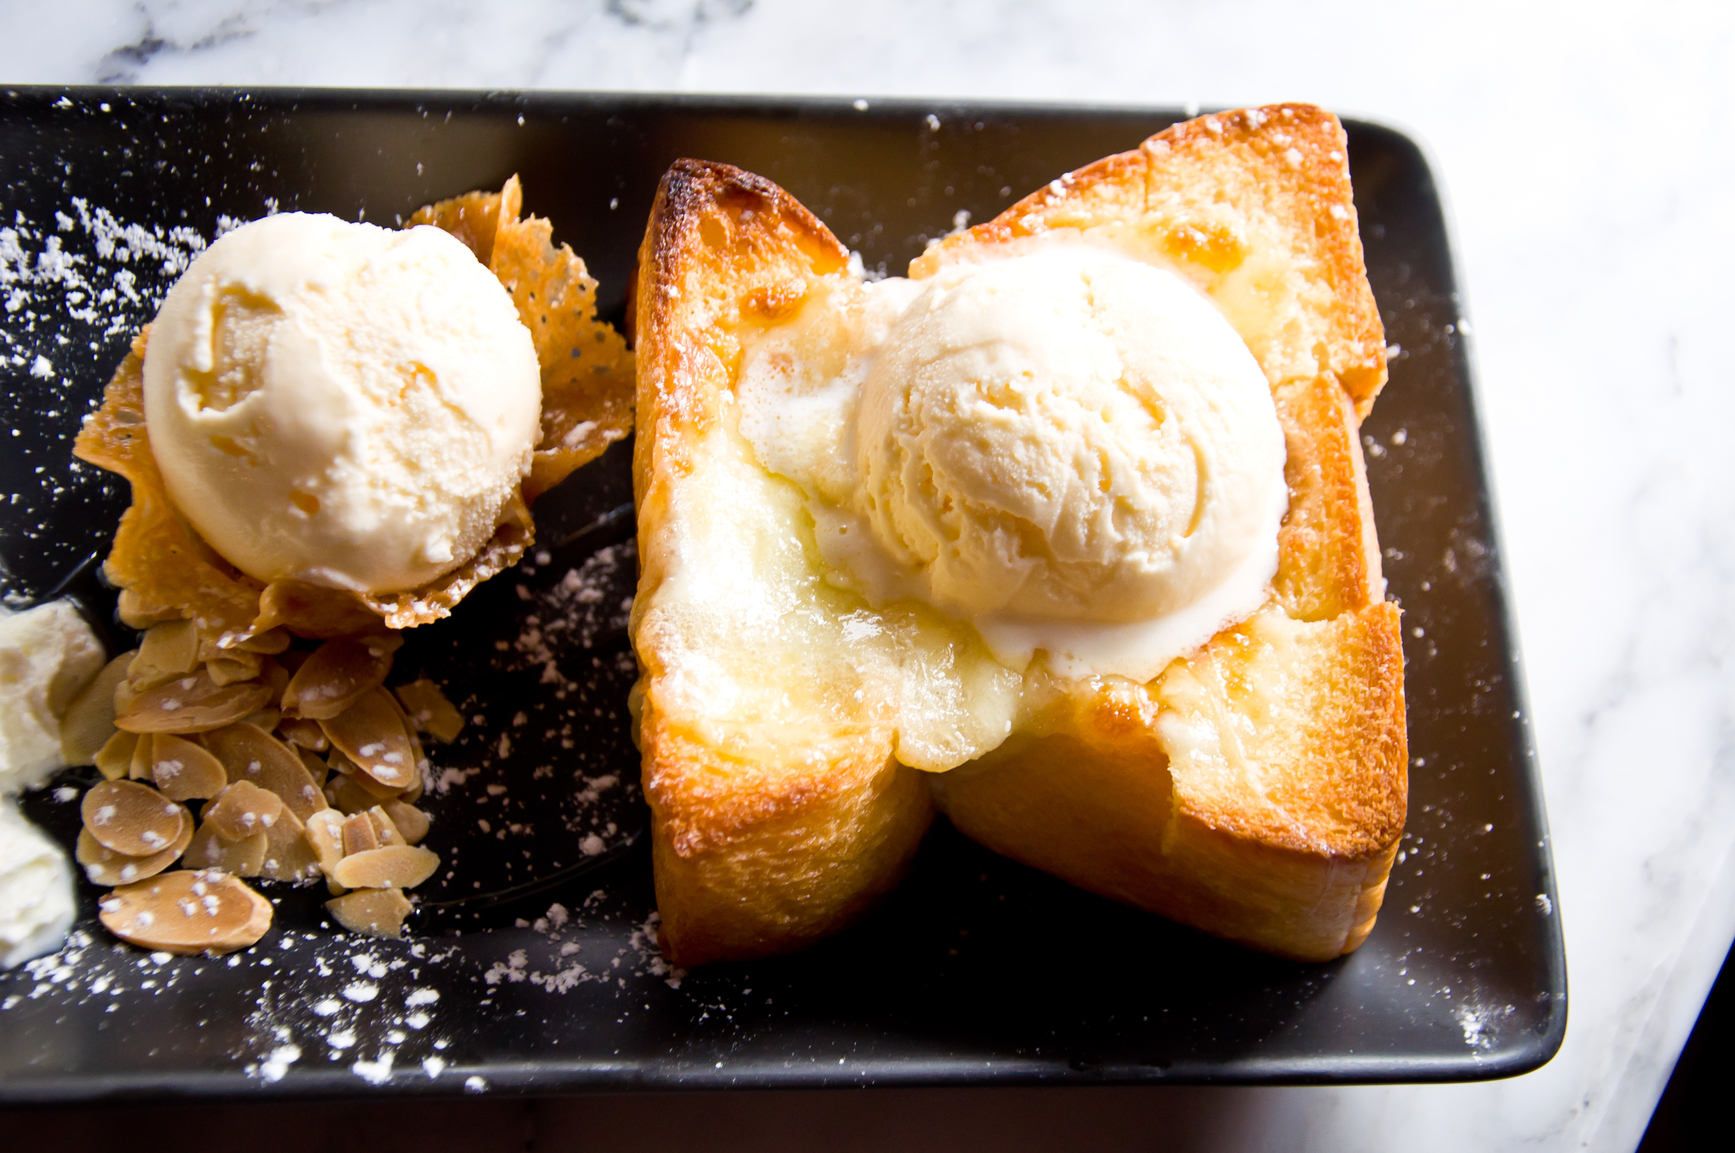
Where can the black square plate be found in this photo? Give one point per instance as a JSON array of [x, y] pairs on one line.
[[533, 968]]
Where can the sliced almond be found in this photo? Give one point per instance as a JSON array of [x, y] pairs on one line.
[[385, 829], [88, 724], [193, 704], [316, 768], [264, 720], [249, 753], [374, 912], [132, 819], [242, 809], [359, 835], [305, 734], [232, 665], [104, 866], [182, 770], [394, 866], [275, 675], [211, 850], [410, 821], [430, 711], [347, 796], [168, 652], [413, 791], [370, 734], [288, 854], [325, 837], [139, 767], [270, 642], [116, 755], [338, 673], [187, 911], [344, 766]]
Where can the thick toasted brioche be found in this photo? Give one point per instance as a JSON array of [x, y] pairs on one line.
[[774, 824], [1258, 789], [1255, 790]]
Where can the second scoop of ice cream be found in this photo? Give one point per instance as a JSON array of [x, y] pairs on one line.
[[1070, 435], [341, 403]]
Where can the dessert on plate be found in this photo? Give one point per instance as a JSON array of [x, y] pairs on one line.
[[333, 432], [48, 655], [1066, 535]]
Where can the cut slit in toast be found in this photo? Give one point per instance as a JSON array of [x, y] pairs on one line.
[[1255, 789]]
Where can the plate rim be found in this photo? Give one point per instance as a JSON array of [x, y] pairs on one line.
[[559, 1075]]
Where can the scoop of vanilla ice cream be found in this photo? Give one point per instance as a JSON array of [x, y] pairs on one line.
[[36, 898], [47, 654], [1070, 435], [341, 403]]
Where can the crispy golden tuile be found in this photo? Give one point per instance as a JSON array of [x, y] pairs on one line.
[[433, 601], [167, 572], [157, 557], [472, 218]]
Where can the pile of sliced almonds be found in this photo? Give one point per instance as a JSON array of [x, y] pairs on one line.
[[301, 765]]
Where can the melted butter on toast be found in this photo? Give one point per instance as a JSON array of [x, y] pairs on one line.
[[774, 542]]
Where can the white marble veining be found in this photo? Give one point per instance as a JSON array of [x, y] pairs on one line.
[[1584, 154]]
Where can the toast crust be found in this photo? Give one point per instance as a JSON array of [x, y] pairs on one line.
[[760, 850], [1255, 790], [752, 860]]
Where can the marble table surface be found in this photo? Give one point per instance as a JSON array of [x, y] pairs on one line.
[[1584, 156]]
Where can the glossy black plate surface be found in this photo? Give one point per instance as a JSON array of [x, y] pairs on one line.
[[977, 970]]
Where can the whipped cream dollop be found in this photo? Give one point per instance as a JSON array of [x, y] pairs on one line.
[[47, 655], [1068, 447], [36, 902], [340, 403]]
